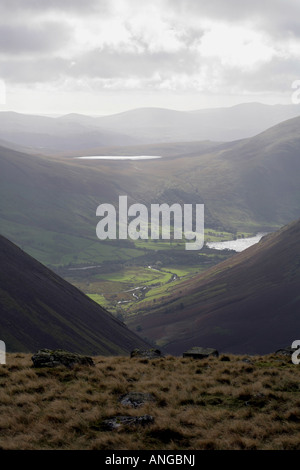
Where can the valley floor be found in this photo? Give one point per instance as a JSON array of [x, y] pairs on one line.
[[230, 402]]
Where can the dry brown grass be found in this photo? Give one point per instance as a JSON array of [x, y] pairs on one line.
[[207, 404]]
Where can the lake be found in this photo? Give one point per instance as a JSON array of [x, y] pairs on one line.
[[237, 245], [119, 157]]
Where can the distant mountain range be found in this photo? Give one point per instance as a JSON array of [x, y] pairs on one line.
[[75, 132], [248, 304], [41, 310]]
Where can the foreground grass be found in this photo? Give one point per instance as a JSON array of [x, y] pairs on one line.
[[216, 403]]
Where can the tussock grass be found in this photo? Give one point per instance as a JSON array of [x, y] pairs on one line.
[[198, 404]]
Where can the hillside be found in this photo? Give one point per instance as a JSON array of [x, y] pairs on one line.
[[251, 182], [47, 207], [41, 310], [225, 403], [247, 304]]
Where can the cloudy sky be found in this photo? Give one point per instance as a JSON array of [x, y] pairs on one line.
[[107, 56]]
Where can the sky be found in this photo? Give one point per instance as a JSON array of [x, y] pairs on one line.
[[107, 56]]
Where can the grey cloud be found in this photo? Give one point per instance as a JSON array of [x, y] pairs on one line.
[[28, 49], [41, 6], [45, 37], [110, 63], [106, 64], [276, 16], [278, 74], [33, 70], [272, 77]]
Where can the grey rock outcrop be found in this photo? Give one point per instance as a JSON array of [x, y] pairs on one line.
[[285, 351], [136, 399], [146, 353], [200, 353], [117, 421], [59, 357]]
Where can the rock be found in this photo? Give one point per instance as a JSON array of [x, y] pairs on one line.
[[200, 353], [246, 360], [146, 353], [58, 357], [285, 351], [136, 399], [116, 421]]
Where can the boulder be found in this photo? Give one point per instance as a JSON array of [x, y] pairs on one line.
[[200, 353], [285, 351], [116, 422], [136, 399], [59, 357], [146, 353]]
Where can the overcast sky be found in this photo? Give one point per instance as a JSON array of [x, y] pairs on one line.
[[107, 56]]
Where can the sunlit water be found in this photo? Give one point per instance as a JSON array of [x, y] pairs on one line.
[[236, 245]]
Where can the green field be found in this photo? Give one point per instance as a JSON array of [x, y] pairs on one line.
[[125, 286]]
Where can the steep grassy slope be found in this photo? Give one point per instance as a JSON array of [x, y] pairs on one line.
[[247, 304], [39, 309], [252, 182], [267, 169], [49, 207]]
